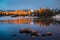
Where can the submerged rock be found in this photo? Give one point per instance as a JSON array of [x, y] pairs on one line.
[[14, 35]]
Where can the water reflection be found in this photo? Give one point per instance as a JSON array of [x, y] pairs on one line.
[[46, 22], [11, 29], [18, 21], [34, 21]]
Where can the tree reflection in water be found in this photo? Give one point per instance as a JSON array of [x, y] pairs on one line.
[[48, 30], [28, 21]]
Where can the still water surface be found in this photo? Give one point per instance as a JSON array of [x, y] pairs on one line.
[[10, 26]]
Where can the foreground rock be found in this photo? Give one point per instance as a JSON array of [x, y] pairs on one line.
[[48, 33], [27, 31], [35, 33], [44, 35]]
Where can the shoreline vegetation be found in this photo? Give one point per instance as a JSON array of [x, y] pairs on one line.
[[43, 13]]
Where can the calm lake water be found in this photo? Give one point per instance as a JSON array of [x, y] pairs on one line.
[[12, 25]]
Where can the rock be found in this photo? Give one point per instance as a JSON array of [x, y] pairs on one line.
[[35, 33], [14, 35], [48, 33], [13, 15], [27, 31], [43, 35], [23, 31]]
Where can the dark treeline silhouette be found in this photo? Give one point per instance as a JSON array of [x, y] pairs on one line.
[[46, 13]]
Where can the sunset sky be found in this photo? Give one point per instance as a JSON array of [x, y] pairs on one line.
[[25, 4]]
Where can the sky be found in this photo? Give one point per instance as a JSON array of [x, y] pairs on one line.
[[26, 4]]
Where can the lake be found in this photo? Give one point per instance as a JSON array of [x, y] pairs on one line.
[[10, 27]]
